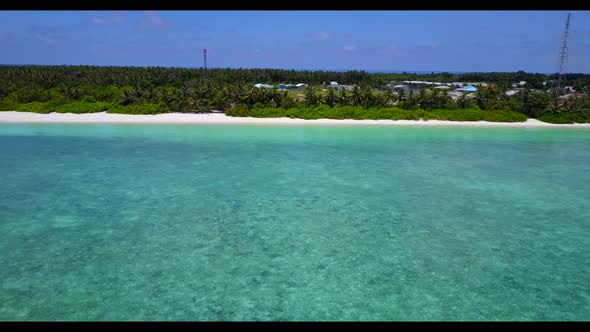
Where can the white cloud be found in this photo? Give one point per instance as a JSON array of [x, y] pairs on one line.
[[152, 18], [114, 19], [45, 39], [350, 48], [320, 35], [99, 21]]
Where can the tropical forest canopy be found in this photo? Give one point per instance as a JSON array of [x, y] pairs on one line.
[[151, 90]]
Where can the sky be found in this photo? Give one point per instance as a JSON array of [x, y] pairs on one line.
[[462, 41]]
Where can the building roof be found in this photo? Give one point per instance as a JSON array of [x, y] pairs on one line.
[[418, 82], [261, 85], [574, 95]]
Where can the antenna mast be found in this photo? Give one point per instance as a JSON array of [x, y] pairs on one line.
[[205, 58], [563, 51]]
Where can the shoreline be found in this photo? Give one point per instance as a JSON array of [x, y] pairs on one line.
[[217, 118]]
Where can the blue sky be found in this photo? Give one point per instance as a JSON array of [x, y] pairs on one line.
[[337, 40]]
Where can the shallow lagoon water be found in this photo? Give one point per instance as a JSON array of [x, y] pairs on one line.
[[257, 222]]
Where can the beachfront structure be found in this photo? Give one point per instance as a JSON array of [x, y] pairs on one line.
[[299, 86], [521, 83], [573, 95], [462, 84], [418, 82], [263, 86], [345, 87], [455, 84], [287, 86], [512, 92], [401, 87], [442, 87], [469, 88], [458, 93], [455, 94]]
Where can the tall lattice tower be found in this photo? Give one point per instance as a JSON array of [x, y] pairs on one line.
[[205, 58], [563, 51]]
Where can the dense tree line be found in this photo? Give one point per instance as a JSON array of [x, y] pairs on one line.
[[387, 113], [47, 77], [136, 90]]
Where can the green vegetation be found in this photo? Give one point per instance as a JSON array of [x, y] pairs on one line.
[[140, 109], [390, 113], [136, 90], [35, 107], [566, 118], [8, 105], [83, 107]]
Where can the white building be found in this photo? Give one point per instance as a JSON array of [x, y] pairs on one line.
[[345, 87], [512, 92], [521, 83]]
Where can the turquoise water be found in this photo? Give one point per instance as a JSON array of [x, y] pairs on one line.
[[134, 222]]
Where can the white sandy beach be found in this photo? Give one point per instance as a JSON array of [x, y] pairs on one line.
[[216, 118]]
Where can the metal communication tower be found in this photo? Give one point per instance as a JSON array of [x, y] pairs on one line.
[[205, 58], [563, 51]]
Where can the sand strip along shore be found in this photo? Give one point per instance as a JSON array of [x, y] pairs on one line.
[[217, 118]]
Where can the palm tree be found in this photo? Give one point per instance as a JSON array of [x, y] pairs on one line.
[[388, 98], [571, 106], [310, 96], [331, 97], [147, 94], [462, 102], [555, 106], [194, 103], [401, 95], [367, 98], [422, 99], [137, 91], [128, 97], [343, 98], [437, 99], [480, 99], [356, 97]]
